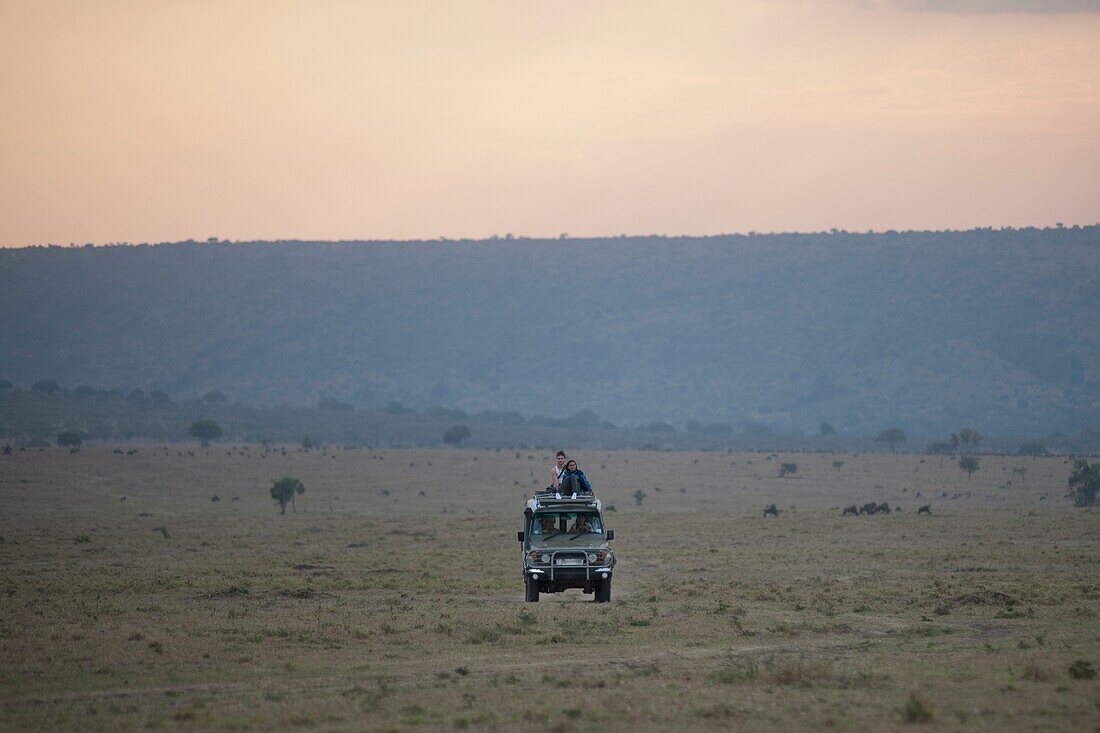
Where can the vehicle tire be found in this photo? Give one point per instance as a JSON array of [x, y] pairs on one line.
[[603, 590], [530, 591]]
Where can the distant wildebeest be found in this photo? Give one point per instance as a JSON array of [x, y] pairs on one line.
[[869, 508], [883, 508], [853, 510], [772, 510], [926, 509]]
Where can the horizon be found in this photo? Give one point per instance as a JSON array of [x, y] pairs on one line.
[[511, 236]]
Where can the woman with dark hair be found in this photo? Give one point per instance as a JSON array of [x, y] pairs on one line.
[[573, 480]]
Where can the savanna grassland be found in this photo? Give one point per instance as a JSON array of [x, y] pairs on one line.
[[391, 598]]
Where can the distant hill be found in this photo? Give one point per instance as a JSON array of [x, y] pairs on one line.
[[926, 331]]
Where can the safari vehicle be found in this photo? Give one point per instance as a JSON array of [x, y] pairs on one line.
[[565, 546]]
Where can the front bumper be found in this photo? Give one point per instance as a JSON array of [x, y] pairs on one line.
[[568, 573]]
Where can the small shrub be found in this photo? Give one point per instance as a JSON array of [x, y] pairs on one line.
[[1036, 673], [302, 593], [916, 710], [1082, 670]]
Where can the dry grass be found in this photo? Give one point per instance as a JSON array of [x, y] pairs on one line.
[[392, 600]]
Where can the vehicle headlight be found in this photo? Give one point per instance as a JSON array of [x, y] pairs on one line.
[[593, 558]]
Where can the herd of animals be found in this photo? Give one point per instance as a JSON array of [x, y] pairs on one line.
[[855, 511]]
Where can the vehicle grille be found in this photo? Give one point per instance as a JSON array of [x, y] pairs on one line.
[[570, 559]]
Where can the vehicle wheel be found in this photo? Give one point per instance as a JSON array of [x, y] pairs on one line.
[[603, 590], [530, 591]]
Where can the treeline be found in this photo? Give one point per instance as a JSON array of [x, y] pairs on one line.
[[46, 413], [923, 331]]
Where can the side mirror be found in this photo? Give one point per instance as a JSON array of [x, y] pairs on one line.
[[610, 535], [519, 535]]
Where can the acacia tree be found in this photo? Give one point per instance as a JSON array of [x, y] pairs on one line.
[[891, 436], [969, 464], [1084, 482], [456, 435], [284, 490], [205, 430]]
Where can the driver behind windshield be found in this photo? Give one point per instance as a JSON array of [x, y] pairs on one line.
[[545, 525]]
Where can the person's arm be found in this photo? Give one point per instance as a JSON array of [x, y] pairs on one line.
[[556, 480], [584, 480]]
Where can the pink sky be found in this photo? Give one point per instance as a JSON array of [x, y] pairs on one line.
[[147, 120]]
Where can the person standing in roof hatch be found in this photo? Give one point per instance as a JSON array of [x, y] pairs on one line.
[[557, 470]]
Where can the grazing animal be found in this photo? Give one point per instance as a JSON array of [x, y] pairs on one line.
[[883, 508], [868, 508], [772, 510], [926, 509], [852, 510]]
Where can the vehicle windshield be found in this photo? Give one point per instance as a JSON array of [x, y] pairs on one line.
[[550, 524]]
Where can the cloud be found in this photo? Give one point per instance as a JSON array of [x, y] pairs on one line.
[[976, 7]]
